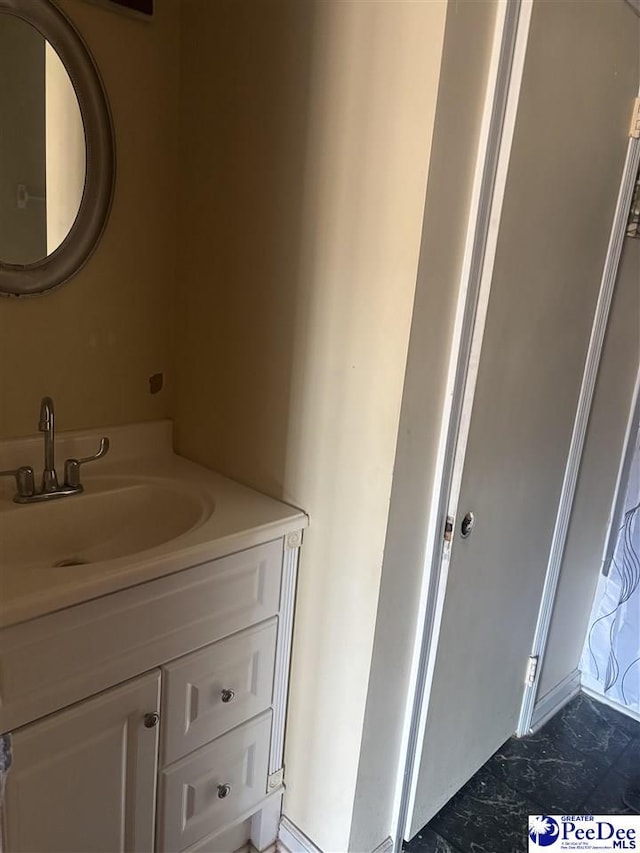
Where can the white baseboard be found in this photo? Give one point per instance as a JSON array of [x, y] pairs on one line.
[[617, 706], [293, 840], [385, 847], [555, 699]]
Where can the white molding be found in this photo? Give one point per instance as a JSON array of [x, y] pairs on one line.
[[619, 495], [553, 701], [611, 703], [494, 149], [283, 648], [293, 840], [572, 468]]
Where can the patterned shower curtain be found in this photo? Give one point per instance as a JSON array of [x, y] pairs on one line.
[[611, 657]]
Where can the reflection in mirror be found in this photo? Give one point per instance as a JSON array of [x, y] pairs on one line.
[[42, 146]]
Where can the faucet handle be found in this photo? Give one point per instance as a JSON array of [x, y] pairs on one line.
[[25, 482], [72, 466]]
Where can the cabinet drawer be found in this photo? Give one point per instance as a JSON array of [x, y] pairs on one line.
[[215, 785], [55, 660], [209, 692]]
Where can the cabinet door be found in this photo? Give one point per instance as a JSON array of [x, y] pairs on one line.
[[84, 779]]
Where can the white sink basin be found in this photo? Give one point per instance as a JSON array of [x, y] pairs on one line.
[[145, 514], [116, 516]]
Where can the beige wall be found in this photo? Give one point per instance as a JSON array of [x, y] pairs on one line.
[[279, 306], [304, 192], [93, 343], [465, 64], [597, 479]]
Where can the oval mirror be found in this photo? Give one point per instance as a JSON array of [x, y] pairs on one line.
[[56, 149]]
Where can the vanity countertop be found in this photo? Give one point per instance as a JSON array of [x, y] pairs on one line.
[[229, 518]]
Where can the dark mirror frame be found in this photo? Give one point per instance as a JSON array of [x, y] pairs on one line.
[[72, 254]]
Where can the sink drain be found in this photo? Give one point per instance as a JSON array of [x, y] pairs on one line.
[[70, 561]]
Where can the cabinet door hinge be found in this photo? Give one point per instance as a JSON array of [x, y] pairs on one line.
[[634, 130], [532, 670], [275, 780]]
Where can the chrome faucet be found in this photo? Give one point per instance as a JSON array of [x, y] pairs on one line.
[[46, 425], [50, 487]]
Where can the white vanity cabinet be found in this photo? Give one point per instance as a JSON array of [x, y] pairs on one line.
[[152, 718]]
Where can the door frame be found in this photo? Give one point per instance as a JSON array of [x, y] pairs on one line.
[[622, 481], [490, 176], [572, 468]]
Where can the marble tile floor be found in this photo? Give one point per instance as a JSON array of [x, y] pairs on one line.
[[586, 760]]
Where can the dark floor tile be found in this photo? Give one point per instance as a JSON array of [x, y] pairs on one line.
[[486, 816], [544, 767], [585, 760], [613, 795], [628, 765], [428, 841], [588, 727], [616, 718]]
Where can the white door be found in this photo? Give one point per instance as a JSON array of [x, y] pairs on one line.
[[84, 780], [556, 218]]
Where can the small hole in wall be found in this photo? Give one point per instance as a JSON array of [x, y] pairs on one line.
[[156, 382]]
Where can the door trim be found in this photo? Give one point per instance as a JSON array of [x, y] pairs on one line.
[[592, 362], [622, 480], [553, 701], [494, 150]]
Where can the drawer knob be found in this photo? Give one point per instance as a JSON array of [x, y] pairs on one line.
[[228, 695], [224, 791], [151, 720]]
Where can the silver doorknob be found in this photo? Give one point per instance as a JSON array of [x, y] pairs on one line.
[[224, 791], [467, 525], [151, 720], [228, 695]]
